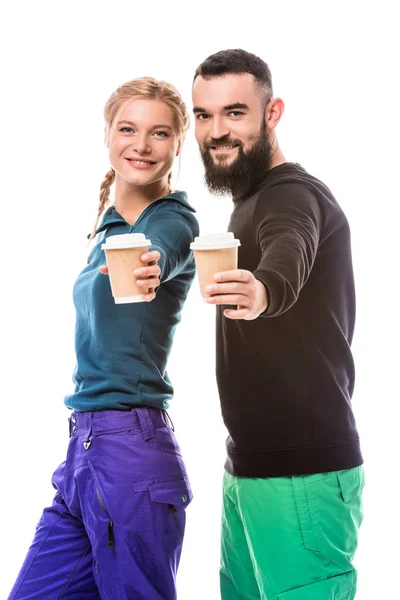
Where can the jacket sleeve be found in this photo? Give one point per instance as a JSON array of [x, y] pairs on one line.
[[171, 231], [288, 232]]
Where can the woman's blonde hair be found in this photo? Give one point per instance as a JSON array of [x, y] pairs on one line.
[[143, 87]]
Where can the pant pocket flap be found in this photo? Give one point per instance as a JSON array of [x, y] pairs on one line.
[[176, 491], [351, 482], [339, 587]]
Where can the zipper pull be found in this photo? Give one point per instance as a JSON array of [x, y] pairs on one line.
[[173, 509], [110, 534]]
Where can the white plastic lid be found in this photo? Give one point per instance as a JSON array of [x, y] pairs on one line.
[[125, 240], [215, 241]]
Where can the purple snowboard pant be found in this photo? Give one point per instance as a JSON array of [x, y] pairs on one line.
[[116, 526]]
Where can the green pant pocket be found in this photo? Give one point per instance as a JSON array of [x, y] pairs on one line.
[[330, 513], [351, 483], [341, 587]]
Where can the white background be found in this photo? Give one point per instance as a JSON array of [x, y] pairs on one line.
[[335, 65]]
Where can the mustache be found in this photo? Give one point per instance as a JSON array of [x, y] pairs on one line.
[[225, 140], [238, 177]]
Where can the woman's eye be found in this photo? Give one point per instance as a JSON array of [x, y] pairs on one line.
[[126, 130], [161, 134]]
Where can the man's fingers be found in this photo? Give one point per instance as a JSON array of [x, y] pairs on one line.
[[232, 287], [235, 299], [235, 275], [240, 313]]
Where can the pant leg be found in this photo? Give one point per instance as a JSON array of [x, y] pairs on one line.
[[303, 533], [59, 562], [133, 499], [237, 579]]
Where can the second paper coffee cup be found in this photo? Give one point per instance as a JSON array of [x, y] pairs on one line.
[[214, 253], [123, 254]]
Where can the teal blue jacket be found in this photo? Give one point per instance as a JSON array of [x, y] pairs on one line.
[[122, 349]]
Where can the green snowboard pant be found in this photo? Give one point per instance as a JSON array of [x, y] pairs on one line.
[[291, 538]]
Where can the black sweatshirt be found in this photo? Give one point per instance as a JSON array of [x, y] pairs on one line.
[[286, 379]]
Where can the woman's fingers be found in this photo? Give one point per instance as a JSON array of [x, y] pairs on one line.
[[151, 257], [150, 296], [146, 277], [143, 272]]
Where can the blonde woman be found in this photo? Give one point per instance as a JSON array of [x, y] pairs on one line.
[[116, 526]]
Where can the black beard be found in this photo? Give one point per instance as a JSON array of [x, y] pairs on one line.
[[248, 169]]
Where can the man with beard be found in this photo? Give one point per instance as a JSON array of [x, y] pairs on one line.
[[285, 319]]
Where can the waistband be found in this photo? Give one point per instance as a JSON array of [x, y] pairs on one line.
[[144, 419]]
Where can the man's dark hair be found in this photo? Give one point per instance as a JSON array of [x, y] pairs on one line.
[[237, 61]]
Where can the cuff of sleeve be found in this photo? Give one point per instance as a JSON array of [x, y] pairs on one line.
[[274, 293], [162, 262]]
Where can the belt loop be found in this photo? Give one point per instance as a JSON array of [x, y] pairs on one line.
[[146, 423]]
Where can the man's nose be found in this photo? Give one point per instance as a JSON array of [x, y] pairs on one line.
[[219, 129]]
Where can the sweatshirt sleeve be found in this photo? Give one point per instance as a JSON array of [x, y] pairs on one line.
[[171, 231], [288, 232]]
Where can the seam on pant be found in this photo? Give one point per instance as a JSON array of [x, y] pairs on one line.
[[352, 592], [143, 566], [307, 525], [102, 585], [38, 550], [72, 574]]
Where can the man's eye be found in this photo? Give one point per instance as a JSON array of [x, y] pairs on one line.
[[235, 113], [202, 117]]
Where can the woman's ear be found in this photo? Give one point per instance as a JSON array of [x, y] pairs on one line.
[[179, 146]]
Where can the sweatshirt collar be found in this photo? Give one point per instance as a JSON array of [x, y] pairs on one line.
[[112, 216], [286, 168]]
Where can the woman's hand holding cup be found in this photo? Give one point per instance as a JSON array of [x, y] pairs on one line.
[[146, 277], [149, 277]]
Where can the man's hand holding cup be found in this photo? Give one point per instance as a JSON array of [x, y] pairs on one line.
[[239, 288]]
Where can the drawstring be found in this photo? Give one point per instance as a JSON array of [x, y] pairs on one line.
[[170, 420]]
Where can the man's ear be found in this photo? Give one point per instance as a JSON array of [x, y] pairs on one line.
[[273, 113]]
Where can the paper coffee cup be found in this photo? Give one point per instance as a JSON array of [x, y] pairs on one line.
[[123, 254], [214, 253]]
